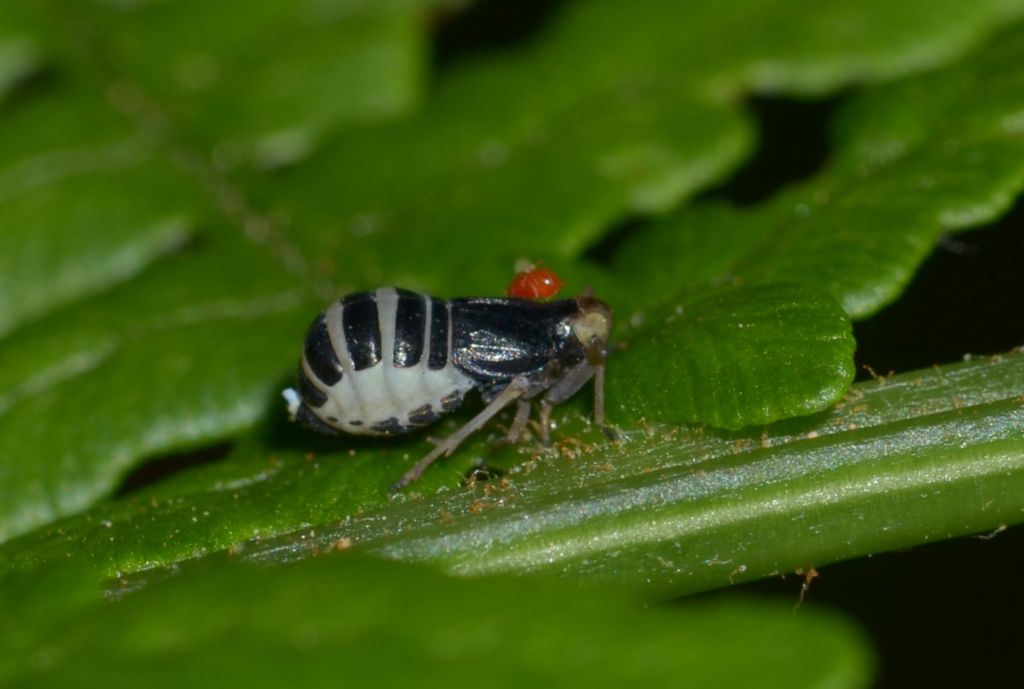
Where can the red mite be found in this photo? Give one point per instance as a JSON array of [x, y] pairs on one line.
[[535, 283]]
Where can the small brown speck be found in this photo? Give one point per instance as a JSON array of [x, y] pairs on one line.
[[810, 575]]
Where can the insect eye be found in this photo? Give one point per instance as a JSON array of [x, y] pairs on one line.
[[535, 283]]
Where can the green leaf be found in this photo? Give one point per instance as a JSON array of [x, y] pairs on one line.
[[37, 604], [268, 88], [81, 211], [21, 56], [18, 59], [155, 293], [304, 624], [472, 197], [749, 356], [91, 199], [112, 383], [184, 185], [914, 458], [913, 160], [614, 115]]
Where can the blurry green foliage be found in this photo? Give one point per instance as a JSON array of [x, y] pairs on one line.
[[361, 622], [183, 185]]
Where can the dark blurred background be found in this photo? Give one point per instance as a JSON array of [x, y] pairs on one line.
[[949, 614]]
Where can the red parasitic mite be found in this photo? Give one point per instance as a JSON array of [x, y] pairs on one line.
[[534, 283]]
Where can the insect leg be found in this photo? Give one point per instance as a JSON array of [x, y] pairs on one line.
[[518, 423], [599, 402], [596, 353], [516, 389], [575, 378], [545, 422], [569, 383], [566, 386]]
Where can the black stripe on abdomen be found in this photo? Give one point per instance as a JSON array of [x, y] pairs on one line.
[[438, 334], [410, 319], [361, 325], [310, 393], [320, 354]]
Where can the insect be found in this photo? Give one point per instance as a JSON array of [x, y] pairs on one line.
[[534, 282], [391, 361]]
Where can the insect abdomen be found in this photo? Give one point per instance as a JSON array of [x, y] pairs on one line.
[[379, 363]]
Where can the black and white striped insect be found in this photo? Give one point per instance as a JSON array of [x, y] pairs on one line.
[[391, 361]]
